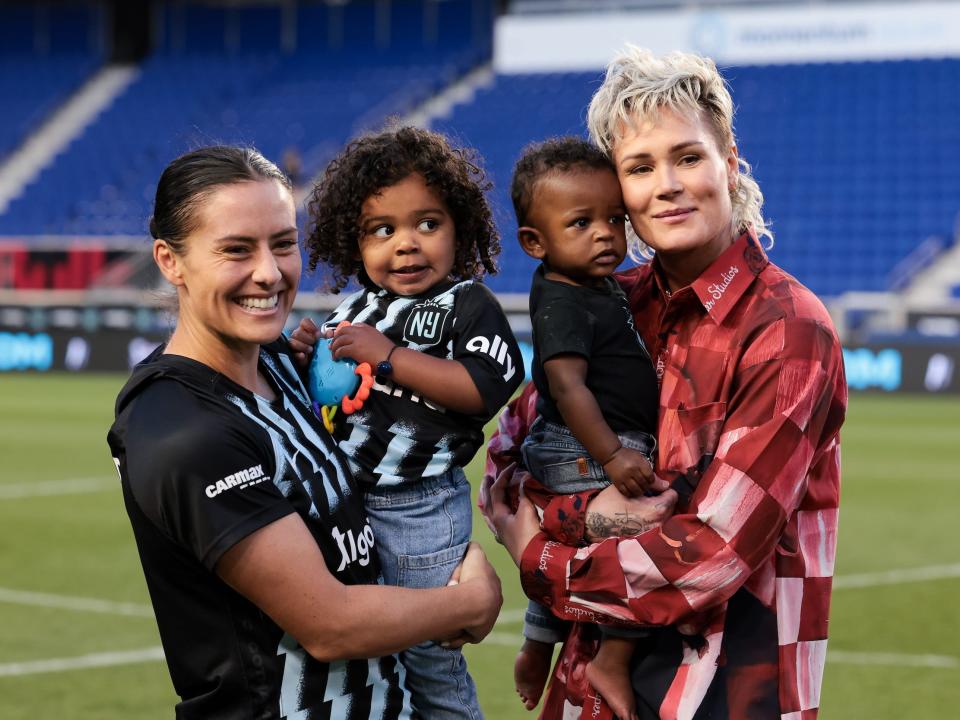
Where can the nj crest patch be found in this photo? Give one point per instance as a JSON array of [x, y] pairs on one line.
[[425, 324]]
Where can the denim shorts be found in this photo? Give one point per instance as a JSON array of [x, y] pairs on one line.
[[562, 464], [422, 530]]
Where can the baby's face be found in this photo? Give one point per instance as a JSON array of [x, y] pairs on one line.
[[578, 216]]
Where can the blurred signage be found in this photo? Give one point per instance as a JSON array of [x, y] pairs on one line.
[[915, 368], [62, 350], [869, 369], [890, 368], [25, 351], [798, 32]]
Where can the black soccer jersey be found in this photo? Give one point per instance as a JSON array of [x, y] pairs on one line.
[[399, 437], [597, 324], [203, 463]]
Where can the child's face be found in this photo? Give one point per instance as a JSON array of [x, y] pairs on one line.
[[577, 225], [407, 237]]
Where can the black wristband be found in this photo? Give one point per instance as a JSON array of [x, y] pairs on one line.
[[612, 455], [385, 367]]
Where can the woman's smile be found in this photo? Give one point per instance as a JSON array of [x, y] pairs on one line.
[[672, 217], [258, 303]]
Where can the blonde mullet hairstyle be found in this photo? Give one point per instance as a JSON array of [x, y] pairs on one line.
[[638, 84]]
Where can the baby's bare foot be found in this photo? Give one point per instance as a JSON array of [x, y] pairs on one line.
[[612, 681], [530, 671]]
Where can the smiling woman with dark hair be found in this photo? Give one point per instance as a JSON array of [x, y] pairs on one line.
[[255, 546]]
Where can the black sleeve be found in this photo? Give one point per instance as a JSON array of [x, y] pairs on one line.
[[281, 346], [562, 326], [201, 475], [484, 343]]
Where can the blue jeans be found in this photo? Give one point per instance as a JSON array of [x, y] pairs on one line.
[[562, 464], [422, 531]]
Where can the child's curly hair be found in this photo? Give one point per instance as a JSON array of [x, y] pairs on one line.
[[374, 162]]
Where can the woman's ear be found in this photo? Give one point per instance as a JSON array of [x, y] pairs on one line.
[[168, 262], [531, 241], [733, 168]]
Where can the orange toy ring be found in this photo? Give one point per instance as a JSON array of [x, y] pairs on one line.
[[352, 404]]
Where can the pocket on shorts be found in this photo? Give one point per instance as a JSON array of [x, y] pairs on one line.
[[562, 466], [572, 476], [431, 570]]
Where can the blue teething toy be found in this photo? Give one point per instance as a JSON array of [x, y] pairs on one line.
[[331, 380], [334, 384]]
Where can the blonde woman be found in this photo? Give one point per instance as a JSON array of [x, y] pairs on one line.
[[736, 582]]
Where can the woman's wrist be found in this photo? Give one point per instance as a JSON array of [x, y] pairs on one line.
[[516, 546]]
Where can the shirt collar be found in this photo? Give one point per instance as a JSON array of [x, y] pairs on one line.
[[723, 283]]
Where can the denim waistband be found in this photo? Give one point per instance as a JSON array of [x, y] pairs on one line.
[[451, 479], [637, 440]]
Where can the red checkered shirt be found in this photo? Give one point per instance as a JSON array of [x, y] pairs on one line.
[[738, 580]]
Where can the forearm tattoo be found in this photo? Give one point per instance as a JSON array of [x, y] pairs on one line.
[[622, 524]]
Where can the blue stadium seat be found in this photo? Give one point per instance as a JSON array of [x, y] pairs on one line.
[[104, 182], [32, 90], [857, 161]]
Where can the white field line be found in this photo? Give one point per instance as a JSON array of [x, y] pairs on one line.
[[96, 660], [846, 657], [66, 602], [155, 654], [511, 615], [842, 582], [73, 486], [507, 617], [896, 577], [947, 662]]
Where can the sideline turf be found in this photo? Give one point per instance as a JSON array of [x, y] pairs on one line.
[[901, 499]]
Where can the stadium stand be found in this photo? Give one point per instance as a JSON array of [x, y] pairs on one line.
[[39, 69], [855, 159], [345, 75], [31, 91]]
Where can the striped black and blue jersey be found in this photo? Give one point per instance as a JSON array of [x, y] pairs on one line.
[[203, 463], [399, 437]]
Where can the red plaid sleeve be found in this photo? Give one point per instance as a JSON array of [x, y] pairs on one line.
[[772, 430]]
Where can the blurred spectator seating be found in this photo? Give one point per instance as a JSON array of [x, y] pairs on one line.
[[857, 161]]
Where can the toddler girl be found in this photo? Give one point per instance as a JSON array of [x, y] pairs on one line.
[[405, 214]]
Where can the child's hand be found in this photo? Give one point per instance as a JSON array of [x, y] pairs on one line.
[[630, 472], [360, 343], [302, 341]]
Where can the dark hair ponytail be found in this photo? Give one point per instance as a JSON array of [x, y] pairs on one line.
[[191, 177]]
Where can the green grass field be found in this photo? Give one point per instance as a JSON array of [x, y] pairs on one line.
[[65, 543]]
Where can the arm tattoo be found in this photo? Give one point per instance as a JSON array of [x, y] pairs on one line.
[[622, 524]]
